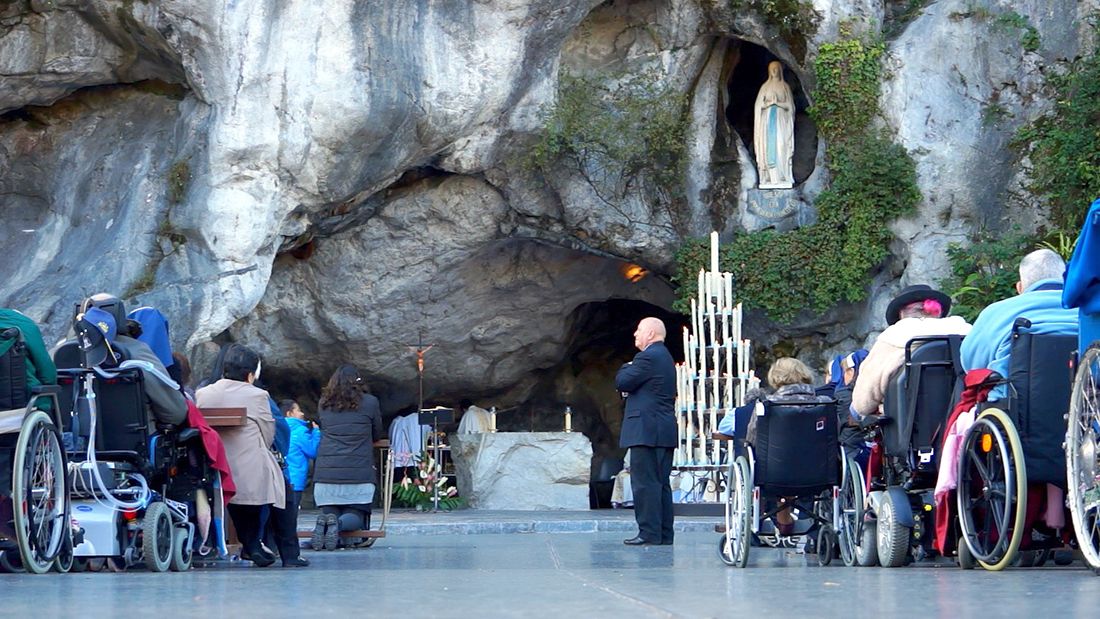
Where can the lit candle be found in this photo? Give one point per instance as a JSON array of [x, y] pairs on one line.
[[568, 419], [493, 419]]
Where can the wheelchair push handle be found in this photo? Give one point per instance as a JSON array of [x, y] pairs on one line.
[[912, 344]]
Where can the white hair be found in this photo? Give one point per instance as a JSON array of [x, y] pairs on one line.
[[1039, 265]]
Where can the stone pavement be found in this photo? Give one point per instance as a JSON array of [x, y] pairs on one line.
[[477, 521], [577, 575]]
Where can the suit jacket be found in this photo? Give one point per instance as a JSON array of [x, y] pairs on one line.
[[649, 382], [248, 448]]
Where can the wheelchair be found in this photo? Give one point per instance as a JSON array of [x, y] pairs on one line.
[[1016, 445], [904, 461], [1083, 455], [30, 436], [796, 462], [130, 484]]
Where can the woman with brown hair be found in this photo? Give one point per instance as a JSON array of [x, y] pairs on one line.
[[344, 478]]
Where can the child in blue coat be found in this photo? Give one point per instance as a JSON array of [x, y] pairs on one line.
[[304, 438]]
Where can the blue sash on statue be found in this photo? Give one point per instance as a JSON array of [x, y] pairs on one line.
[[773, 130]]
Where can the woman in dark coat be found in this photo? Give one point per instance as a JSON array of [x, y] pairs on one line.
[[345, 477]]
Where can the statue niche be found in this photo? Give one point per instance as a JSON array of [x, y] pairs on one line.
[[773, 131]]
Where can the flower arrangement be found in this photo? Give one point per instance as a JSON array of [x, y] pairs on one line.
[[416, 490]]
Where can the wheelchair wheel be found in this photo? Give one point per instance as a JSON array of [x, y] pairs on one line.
[[966, 560], [156, 537], [893, 537], [1083, 456], [39, 495], [867, 549], [992, 492], [10, 562], [826, 545], [851, 512], [734, 546], [65, 561], [182, 552]]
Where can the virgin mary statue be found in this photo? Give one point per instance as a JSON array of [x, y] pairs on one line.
[[774, 130]]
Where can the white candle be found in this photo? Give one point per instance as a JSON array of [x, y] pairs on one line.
[[714, 252], [568, 419], [493, 419]]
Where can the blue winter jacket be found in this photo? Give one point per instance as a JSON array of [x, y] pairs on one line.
[[1083, 277], [988, 344], [303, 448]]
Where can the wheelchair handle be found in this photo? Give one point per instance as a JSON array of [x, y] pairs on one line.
[[924, 339], [46, 390]]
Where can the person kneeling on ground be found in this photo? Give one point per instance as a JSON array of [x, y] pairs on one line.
[[257, 474], [792, 381], [917, 311], [345, 477]]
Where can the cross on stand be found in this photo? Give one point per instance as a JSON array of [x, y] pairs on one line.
[[432, 417]]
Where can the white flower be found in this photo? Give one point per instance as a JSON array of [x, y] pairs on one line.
[[423, 474], [422, 488]]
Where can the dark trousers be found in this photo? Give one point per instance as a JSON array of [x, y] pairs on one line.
[[650, 468], [281, 527]]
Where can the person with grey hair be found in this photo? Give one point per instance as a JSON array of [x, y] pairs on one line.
[[1038, 298]]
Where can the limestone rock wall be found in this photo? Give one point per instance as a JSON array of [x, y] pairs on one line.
[[333, 181]]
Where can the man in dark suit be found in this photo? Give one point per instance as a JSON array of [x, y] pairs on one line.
[[649, 431]]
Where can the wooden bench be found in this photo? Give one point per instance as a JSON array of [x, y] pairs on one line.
[[224, 417]]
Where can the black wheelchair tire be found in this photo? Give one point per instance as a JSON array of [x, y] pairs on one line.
[[966, 560], [851, 512], [11, 562], [867, 549], [826, 545], [1083, 455]]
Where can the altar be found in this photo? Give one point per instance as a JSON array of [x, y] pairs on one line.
[[523, 470]]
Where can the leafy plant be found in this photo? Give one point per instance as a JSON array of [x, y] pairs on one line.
[[984, 271], [788, 16], [1064, 146], [1029, 40], [626, 136], [417, 491]]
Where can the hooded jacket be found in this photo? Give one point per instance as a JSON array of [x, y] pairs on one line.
[[888, 354]]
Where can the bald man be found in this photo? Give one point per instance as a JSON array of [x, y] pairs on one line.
[[649, 431]]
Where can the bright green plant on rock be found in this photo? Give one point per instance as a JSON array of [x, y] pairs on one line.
[[1064, 146], [984, 271]]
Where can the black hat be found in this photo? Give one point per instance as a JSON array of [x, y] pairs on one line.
[[912, 294]]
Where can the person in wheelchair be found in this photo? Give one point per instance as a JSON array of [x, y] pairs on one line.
[[167, 405], [1039, 299], [917, 311], [18, 335], [793, 382]]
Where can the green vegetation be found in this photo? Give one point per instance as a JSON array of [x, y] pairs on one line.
[[1064, 146], [179, 179], [985, 270], [620, 138], [1012, 20], [789, 16], [873, 182]]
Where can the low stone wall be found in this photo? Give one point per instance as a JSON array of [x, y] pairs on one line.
[[523, 470]]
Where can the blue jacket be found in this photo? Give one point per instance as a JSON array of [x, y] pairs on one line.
[[649, 383], [1083, 277], [989, 342], [303, 448]]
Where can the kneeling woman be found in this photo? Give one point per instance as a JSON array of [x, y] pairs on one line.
[[344, 479]]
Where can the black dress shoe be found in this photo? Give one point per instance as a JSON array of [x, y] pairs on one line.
[[299, 562], [260, 558], [637, 541], [666, 542]]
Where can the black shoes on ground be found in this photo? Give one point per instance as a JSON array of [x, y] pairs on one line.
[[638, 540], [299, 562]]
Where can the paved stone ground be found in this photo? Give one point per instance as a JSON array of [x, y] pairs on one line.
[[477, 521], [573, 575]]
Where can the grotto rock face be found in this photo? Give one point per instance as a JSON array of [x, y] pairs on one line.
[[334, 181]]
